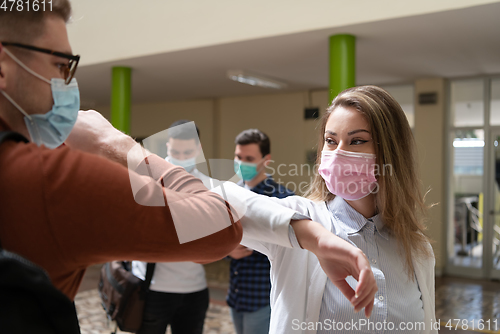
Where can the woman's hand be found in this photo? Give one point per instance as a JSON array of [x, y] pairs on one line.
[[339, 259]]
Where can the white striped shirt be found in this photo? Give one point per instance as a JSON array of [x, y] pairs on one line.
[[398, 304]]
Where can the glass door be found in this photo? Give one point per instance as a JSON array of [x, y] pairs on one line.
[[494, 109], [474, 232], [465, 229], [473, 229], [492, 237], [466, 178]]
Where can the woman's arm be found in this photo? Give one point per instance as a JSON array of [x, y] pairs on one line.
[[339, 259], [265, 221]]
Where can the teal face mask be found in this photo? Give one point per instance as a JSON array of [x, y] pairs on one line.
[[187, 164], [245, 170], [52, 128]]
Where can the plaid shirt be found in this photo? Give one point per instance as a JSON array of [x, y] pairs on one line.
[[250, 285]]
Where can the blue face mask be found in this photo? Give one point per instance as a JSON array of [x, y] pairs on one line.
[[187, 164], [52, 128], [245, 170]]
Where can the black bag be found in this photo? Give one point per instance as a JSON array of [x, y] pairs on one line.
[[123, 295], [29, 303]]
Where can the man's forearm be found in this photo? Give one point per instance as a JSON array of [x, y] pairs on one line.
[[117, 148], [93, 133]]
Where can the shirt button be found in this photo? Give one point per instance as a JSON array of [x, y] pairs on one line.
[[235, 290], [381, 298], [236, 273], [374, 261]]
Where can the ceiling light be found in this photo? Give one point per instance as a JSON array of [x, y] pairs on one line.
[[255, 80]]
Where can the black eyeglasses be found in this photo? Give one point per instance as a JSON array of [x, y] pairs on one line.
[[68, 71]]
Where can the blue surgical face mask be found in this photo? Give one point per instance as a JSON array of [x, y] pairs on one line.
[[52, 128], [245, 170], [187, 164]]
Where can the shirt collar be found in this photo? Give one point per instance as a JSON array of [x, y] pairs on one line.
[[351, 220]]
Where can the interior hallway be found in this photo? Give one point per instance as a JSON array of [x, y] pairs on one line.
[[456, 298]]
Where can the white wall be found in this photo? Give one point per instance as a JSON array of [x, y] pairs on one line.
[[280, 116], [405, 95], [429, 135], [150, 118], [109, 30]]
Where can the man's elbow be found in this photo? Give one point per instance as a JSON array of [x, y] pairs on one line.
[[222, 242], [230, 238]]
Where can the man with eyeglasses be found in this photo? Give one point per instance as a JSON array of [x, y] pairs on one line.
[[67, 208], [63, 208]]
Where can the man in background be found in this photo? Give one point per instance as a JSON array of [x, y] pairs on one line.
[[250, 284], [183, 147], [178, 293]]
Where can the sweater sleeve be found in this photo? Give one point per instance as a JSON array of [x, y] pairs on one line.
[[95, 218]]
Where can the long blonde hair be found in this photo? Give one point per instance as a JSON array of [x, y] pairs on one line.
[[399, 199]]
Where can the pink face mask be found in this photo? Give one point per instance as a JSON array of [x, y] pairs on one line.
[[350, 175]]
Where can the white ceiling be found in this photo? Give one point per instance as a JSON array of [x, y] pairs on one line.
[[464, 42]]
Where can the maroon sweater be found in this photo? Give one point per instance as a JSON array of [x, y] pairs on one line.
[[64, 210]]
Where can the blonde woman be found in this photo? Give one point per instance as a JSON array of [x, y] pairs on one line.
[[366, 192]]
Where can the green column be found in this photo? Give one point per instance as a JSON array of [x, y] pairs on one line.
[[120, 98], [342, 64]]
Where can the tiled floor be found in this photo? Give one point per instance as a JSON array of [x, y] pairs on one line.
[[468, 300], [456, 298], [93, 320]]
